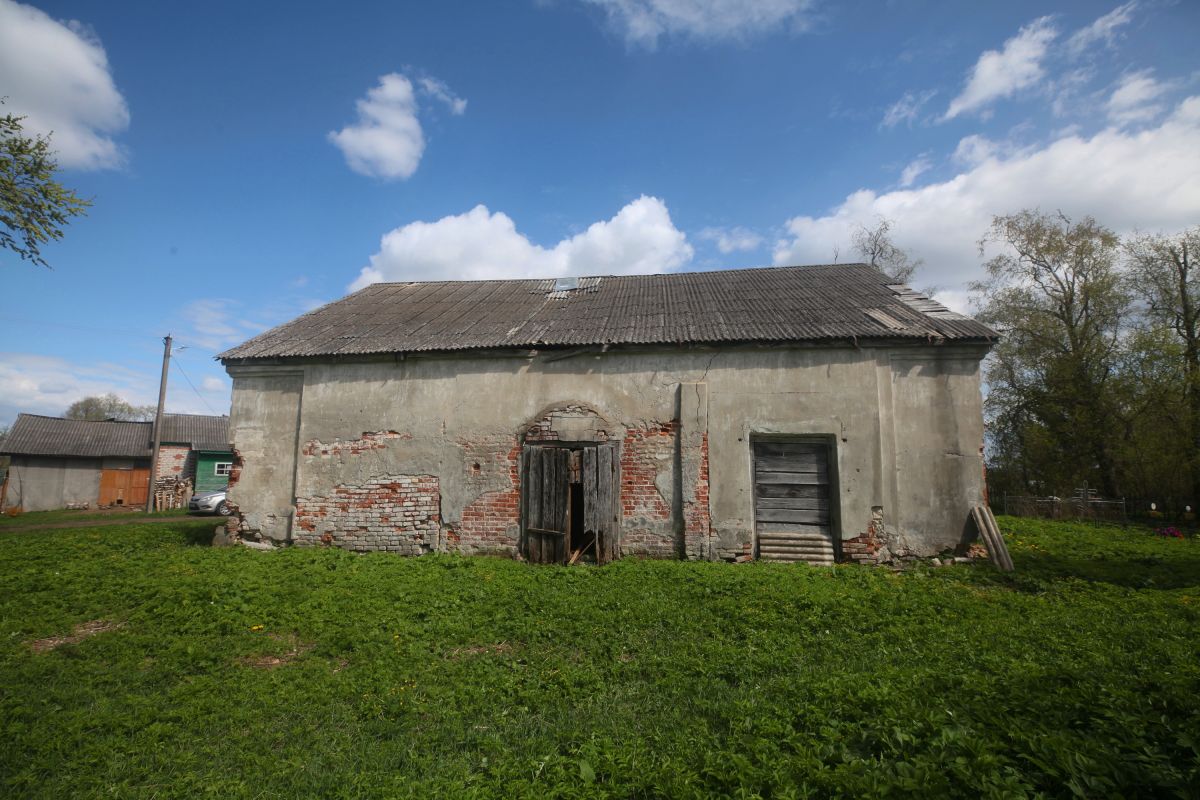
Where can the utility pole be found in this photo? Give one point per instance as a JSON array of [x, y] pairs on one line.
[[162, 399]]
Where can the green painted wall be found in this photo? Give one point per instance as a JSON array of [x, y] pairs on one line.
[[207, 479]]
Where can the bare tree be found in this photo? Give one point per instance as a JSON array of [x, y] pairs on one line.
[[876, 247]]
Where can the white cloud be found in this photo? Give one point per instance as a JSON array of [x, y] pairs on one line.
[[643, 22], [915, 169], [38, 384], [56, 74], [440, 91], [1137, 98], [1103, 30], [387, 141], [215, 323], [480, 244], [732, 240], [1002, 73], [1126, 179], [975, 149], [906, 108]]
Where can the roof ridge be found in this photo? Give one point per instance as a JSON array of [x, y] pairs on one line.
[[611, 277]]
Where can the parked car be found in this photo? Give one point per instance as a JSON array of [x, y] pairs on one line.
[[209, 503]]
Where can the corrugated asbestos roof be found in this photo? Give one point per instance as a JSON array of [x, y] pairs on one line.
[[769, 304], [35, 435]]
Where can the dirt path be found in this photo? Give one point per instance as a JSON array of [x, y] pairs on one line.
[[132, 519]]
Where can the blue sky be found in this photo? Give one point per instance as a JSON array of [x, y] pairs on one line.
[[250, 161]]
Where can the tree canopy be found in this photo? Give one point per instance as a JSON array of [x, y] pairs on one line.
[[108, 406], [1096, 378], [34, 206]]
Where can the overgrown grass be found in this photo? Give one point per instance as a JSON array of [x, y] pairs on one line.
[[131, 515], [309, 672]]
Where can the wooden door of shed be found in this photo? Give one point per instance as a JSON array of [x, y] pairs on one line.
[[124, 487], [792, 518], [546, 516], [545, 502], [602, 500]]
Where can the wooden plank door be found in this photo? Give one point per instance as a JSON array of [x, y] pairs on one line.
[[127, 487], [792, 517], [602, 500], [545, 498]]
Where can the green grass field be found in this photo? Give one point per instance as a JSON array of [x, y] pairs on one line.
[[307, 672]]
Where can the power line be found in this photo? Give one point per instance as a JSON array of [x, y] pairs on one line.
[[194, 389]]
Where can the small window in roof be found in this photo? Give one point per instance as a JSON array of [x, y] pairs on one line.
[[565, 284]]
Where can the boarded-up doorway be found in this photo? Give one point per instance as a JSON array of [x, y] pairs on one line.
[[570, 502], [124, 487], [792, 508]]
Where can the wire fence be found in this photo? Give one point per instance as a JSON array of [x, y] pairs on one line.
[[1079, 507]]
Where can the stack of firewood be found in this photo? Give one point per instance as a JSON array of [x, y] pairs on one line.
[[172, 493]]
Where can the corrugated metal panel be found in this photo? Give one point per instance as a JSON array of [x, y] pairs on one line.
[[33, 434], [770, 304]]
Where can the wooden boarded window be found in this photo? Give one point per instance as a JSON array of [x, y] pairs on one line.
[[550, 535], [792, 518]]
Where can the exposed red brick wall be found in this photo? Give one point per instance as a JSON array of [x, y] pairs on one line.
[[490, 523], [371, 440], [868, 547], [397, 513], [646, 525], [174, 461]]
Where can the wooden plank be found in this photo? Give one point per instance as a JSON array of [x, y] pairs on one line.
[[606, 492], [793, 515], [591, 497], [770, 448], [564, 490], [793, 478], [802, 503], [533, 488], [781, 490], [798, 463], [547, 494]]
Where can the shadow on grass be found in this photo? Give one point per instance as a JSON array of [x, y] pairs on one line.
[[1133, 572], [199, 532]]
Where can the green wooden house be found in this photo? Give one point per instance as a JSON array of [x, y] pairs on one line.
[[212, 469]]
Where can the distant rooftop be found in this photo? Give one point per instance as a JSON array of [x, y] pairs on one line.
[[36, 435], [768, 304]]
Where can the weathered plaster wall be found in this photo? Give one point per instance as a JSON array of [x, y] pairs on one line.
[[905, 423], [41, 483], [266, 413]]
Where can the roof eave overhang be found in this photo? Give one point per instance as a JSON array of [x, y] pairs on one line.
[[981, 343]]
